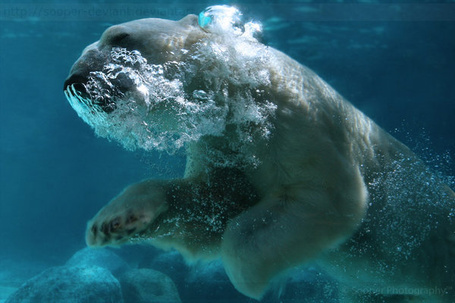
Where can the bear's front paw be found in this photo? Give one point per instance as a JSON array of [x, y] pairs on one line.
[[126, 217], [116, 230]]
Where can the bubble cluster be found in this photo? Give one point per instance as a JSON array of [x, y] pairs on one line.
[[409, 198], [224, 19], [161, 109], [155, 112]]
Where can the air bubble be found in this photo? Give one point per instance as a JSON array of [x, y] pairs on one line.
[[221, 18]]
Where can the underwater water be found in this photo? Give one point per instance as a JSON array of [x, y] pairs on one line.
[[394, 62]]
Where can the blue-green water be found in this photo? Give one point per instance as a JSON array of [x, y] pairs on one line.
[[396, 63]]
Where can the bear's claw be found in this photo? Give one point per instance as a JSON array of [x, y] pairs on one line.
[[116, 229]]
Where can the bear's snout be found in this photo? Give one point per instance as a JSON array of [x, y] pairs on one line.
[[77, 82]]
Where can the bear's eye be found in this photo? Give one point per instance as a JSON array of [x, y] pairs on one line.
[[117, 39]]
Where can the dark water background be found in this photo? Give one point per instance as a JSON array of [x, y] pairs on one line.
[[394, 61]]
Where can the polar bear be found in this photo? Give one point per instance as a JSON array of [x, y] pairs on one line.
[[281, 170]]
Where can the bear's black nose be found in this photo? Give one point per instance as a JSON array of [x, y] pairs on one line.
[[78, 82], [75, 89]]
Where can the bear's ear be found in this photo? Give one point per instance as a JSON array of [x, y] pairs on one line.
[[189, 20]]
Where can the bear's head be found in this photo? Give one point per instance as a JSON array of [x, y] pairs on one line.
[[124, 48], [160, 84]]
